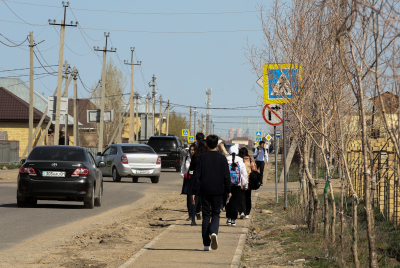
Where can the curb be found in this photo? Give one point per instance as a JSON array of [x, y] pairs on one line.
[[242, 239]]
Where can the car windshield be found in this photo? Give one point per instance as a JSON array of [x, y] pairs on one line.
[[157, 144], [57, 154], [137, 150]]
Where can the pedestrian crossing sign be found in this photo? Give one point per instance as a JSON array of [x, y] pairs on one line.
[[185, 132], [190, 139], [258, 139]]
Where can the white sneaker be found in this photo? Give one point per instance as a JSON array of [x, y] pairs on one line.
[[242, 215], [206, 248], [214, 241], [233, 223], [246, 217], [228, 222]]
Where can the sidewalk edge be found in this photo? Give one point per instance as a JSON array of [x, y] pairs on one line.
[[242, 239]]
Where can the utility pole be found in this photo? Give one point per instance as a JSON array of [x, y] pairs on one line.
[[154, 96], [103, 90], [194, 121], [75, 129], [208, 103], [66, 72], [131, 108], [190, 121], [60, 65], [202, 123], [211, 131], [160, 117], [137, 115], [167, 119]]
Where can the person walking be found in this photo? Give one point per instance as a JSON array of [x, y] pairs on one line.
[[239, 181], [199, 149], [246, 194], [260, 156], [186, 180], [211, 181]]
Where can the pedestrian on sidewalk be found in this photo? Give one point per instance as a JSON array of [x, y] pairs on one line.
[[186, 180], [246, 194], [222, 150], [239, 182], [261, 156], [211, 181], [199, 149]]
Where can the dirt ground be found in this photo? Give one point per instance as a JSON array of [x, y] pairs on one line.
[[107, 240]]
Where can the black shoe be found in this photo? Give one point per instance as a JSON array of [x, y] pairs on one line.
[[189, 219], [198, 216], [193, 223]]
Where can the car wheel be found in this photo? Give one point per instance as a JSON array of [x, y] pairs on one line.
[[97, 201], [21, 203], [178, 169], [90, 203], [135, 179], [155, 179], [116, 177]]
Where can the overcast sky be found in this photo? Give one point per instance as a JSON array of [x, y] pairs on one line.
[[188, 45]]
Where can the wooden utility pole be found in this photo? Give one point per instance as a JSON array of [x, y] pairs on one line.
[[190, 121], [160, 118], [103, 91], [167, 119], [194, 122], [131, 109], [30, 139], [137, 115], [154, 97], [76, 126], [60, 71]]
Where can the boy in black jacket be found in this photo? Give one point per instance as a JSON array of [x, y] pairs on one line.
[[211, 181]]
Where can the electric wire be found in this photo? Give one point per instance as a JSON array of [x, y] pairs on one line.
[[82, 55], [42, 64], [15, 45], [48, 65], [15, 14], [21, 69]]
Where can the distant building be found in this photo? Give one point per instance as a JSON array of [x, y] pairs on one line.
[[230, 133], [241, 141], [239, 132]]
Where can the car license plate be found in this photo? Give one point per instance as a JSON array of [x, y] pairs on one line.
[[145, 171], [163, 155], [53, 174]]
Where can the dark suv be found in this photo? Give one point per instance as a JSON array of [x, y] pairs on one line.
[[170, 149]]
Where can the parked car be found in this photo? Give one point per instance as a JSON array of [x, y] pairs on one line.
[[170, 149], [130, 160], [58, 172]]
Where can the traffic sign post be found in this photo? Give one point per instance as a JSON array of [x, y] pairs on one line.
[[258, 139], [280, 81], [258, 134], [284, 162], [273, 114], [185, 132], [190, 139], [276, 164], [278, 134]]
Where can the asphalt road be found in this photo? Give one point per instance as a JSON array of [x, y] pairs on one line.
[[18, 224]]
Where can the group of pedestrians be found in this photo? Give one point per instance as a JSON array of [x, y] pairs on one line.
[[214, 178]]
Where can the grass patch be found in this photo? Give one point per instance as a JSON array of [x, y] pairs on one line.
[[10, 166]]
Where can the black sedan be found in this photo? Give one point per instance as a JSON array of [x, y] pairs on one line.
[[63, 173]]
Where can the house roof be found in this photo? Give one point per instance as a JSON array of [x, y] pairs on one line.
[[14, 109], [21, 90]]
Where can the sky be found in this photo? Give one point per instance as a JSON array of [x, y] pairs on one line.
[[189, 45]]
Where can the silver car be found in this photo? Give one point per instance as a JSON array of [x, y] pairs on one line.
[[130, 160]]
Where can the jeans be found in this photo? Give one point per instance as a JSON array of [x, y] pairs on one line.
[[232, 207], [211, 205], [195, 209]]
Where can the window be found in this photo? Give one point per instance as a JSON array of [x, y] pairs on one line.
[[137, 150], [166, 143], [91, 159], [107, 151], [54, 153], [114, 150]]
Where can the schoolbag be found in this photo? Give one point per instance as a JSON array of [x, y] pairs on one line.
[[255, 180], [235, 174]]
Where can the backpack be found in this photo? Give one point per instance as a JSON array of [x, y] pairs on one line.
[[254, 180], [235, 174]]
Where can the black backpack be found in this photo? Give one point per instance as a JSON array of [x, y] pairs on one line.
[[255, 180]]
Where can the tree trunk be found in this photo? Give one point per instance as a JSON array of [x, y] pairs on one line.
[[333, 214], [326, 211], [354, 247]]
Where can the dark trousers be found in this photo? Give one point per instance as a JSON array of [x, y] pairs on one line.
[[211, 205], [247, 198], [260, 165], [232, 207], [189, 204], [242, 203], [195, 209]]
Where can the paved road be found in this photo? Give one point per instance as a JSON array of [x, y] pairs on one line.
[[17, 224]]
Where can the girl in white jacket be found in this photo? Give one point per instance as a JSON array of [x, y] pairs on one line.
[[186, 181], [232, 207]]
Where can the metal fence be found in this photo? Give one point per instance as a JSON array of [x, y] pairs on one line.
[[9, 152]]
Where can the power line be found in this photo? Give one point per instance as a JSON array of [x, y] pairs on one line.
[[42, 64], [15, 14], [9, 40], [145, 13], [45, 60], [21, 69]]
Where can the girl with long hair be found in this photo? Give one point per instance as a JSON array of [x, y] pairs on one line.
[[245, 207]]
